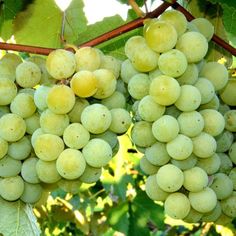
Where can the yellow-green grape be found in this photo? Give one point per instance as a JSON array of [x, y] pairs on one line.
[[97, 153], [165, 90], [60, 99], [9, 167], [204, 145], [194, 45], [35, 135], [190, 76], [170, 178], [154, 73], [76, 136], [61, 64], [185, 164], [165, 128], [48, 147], [223, 220], [134, 109], [172, 111], [148, 22], [70, 186], [191, 123], [70, 164], [116, 100], [225, 163], [216, 73], [224, 141], [211, 164], [23, 105], [180, 148], [75, 113], [40, 97], [11, 58], [153, 190], [213, 215], [90, 174], [227, 94], [32, 193], [3, 147], [138, 86], [193, 216], [7, 71], [172, 63], [213, 104], [29, 91], [161, 36], [232, 176], [32, 123], [232, 153], [204, 26], [157, 154], [111, 63], [47, 171], [214, 122], [28, 170], [134, 44], [53, 123], [147, 167], [96, 118], [228, 205], [20, 149], [127, 71], [50, 186], [87, 58], [108, 136], [189, 99], [12, 127], [120, 120], [8, 91], [195, 179], [106, 83], [4, 110], [11, 188], [230, 120], [28, 74], [177, 205]]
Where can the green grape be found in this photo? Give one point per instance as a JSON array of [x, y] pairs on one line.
[[223, 220], [232, 153], [194, 45], [7, 71], [35, 135], [3, 148], [213, 104], [70, 164], [228, 205], [32, 123], [23, 105], [134, 44], [138, 86], [8, 91], [134, 109], [225, 163], [195, 179], [165, 128], [154, 73], [161, 36], [153, 190], [204, 26], [216, 73], [11, 188], [112, 64], [214, 122], [76, 136], [185, 164], [157, 154], [227, 94], [164, 90], [4, 110], [11, 58], [189, 99], [172, 63], [87, 58], [97, 152], [61, 64], [172, 111], [116, 100], [9, 167], [20, 149], [147, 167], [222, 186], [191, 27], [28, 170], [29, 91], [232, 176], [60, 99], [108, 136], [90, 174], [190, 76], [70, 186], [47, 171], [40, 97], [230, 120], [224, 141], [213, 215], [127, 71], [32, 193], [53, 123], [50, 187], [28, 74], [193, 216], [12, 127], [170, 178], [204, 145], [121, 120], [43, 147], [177, 205]]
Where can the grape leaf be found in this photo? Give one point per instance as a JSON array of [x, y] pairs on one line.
[[17, 219]]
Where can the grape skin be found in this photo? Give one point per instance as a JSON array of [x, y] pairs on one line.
[[8, 91]]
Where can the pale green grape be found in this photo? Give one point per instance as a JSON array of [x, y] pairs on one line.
[[172, 111], [90, 174], [193, 216], [60, 99], [230, 120], [32, 123], [11, 58], [232, 176], [185, 164], [177, 206], [40, 97], [70, 186], [190, 76], [195, 179], [116, 100], [170, 178], [4, 110], [108, 136], [154, 73], [135, 113], [228, 205], [3, 147], [191, 27], [12, 127], [164, 90], [76, 136], [53, 123], [225, 163], [224, 141], [213, 104], [32, 193], [194, 45], [127, 71], [111, 63], [35, 135], [213, 215], [227, 94], [9, 167], [147, 167], [165, 128], [29, 91], [11, 188], [28, 170], [134, 44], [8, 91], [97, 153], [61, 64], [172, 63], [7, 71], [232, 153], [28, 74]]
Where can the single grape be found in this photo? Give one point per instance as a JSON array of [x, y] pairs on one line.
[[35, 135], [8, 91], [32, 193], [227, 94], [185, 164], [190, 76], [116, 100], [213, 215], [32, 123], [225, 163], [7, 71], [11, 58], [3, 148], [228, 205], [232, 176], [4, 110], [147, 167], [193, 216], [172, 111], [127, 71], [232, 153], [224, 141], [70, 186], [40, 97], [213, 104], [112, 64], [9, 167], [28, 170], [108, 136], [230, 120], [90, 174]]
